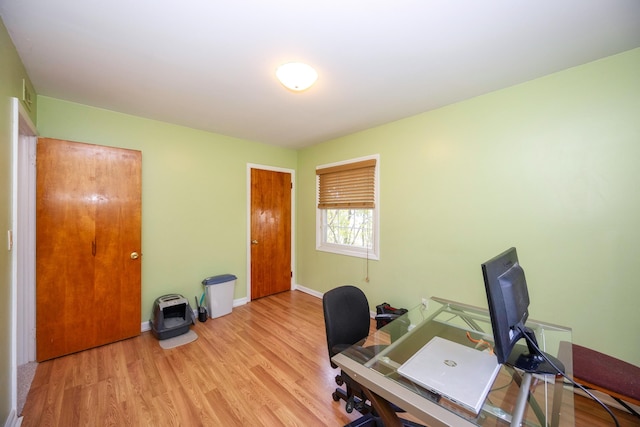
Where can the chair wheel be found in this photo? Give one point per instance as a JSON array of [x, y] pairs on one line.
[[348, 407], [339, 380], [359, 406], [335, 396]]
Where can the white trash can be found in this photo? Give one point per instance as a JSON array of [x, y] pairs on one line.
[[219, 294]]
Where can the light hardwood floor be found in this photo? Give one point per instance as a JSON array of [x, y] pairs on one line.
[[265, 364]]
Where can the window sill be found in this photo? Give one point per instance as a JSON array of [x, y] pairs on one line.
[[348, 251]]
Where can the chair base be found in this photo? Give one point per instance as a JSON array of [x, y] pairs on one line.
[[370, 420], [367, 420], [351, 403]]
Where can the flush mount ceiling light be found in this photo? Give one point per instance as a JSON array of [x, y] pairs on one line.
[[296, 76]]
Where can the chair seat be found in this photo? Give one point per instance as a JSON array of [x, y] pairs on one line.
[[606, 373]]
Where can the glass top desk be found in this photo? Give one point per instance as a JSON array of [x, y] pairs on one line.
[[547, 404]]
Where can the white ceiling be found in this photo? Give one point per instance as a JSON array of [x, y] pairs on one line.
[[210, 64]]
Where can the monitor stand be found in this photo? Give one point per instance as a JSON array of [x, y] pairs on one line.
[[531, 361]]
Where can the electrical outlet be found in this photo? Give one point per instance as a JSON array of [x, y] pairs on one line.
[[425, 303]]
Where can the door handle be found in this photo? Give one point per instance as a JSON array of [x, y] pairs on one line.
[[254, 242], [134, 255]]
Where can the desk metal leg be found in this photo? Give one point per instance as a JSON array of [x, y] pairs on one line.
[[540, 414], [557, 401], [535, 407], [521, 403]]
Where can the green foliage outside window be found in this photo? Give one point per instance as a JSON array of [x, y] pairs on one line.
[[352, 227]]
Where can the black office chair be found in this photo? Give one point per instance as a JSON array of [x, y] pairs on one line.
[[347, 322]]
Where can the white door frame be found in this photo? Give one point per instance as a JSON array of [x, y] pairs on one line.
[[293, 225], [24, 137]]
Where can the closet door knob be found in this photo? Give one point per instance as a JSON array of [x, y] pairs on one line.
[[254, 242], [134, 255]]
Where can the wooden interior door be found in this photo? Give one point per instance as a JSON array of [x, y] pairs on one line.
[[270, 232], [88, 240]]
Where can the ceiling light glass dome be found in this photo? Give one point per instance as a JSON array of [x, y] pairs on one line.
[[296, 76]]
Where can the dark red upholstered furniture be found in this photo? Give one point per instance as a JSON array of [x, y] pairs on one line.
[[598, 371]]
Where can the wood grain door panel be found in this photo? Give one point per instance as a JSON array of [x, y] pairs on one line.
[[88, 219], [118, 221], [270, 232]]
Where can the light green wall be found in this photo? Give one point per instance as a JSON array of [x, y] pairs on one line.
[[194, 193], [549, 166], [11, 74]]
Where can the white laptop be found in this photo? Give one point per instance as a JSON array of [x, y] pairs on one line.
[[456, 372]]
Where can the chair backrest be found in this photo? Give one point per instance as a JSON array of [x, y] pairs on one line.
[[346, 318]]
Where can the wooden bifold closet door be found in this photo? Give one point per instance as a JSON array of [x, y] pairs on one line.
[[88, 241]]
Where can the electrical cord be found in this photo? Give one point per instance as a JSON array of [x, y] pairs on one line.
[[480, 342], [559, 371]]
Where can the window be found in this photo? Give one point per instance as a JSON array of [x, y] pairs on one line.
[[347, 207]]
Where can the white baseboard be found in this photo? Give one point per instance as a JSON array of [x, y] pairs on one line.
[[317, 294], [240, 301], [145, 326], [311, 292]]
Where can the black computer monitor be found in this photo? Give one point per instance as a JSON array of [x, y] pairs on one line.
[[508, 299]]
